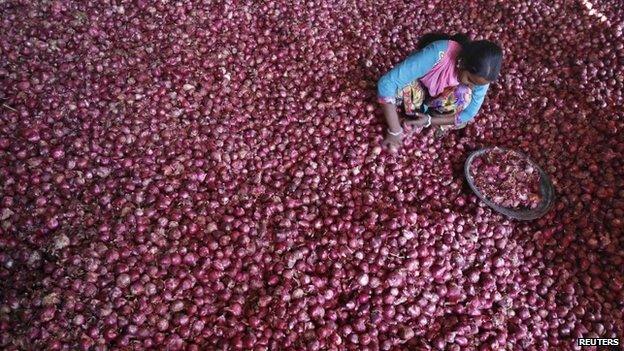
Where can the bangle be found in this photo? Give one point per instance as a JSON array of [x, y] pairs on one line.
[[395, 133], [428, 121]]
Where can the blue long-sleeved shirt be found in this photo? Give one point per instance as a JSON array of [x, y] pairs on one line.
[[416, 66]]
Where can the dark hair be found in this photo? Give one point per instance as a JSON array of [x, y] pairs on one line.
[[431, 37], [481, 57]]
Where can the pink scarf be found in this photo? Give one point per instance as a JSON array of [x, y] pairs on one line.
[[444, 72]]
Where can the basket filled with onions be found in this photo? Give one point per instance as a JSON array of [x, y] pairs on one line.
[[509, 182]]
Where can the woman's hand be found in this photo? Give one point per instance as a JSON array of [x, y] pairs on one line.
[[393, 142]]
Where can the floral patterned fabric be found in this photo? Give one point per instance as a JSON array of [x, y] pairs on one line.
[[412, 98], [451, 101]]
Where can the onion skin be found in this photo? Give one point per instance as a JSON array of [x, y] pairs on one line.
[[507, 179], [195, 176]]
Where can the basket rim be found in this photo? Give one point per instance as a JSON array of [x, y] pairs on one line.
[[546, 187]]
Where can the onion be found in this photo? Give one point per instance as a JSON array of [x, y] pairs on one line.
[[507, 179], [198, 177]]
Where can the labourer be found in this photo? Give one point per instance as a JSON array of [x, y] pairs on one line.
[[442, 84]]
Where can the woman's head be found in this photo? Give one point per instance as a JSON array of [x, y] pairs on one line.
[[480, 62]]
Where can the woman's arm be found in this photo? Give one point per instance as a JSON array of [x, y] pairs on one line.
[[442, 121], [466, 115], [392, 118], [412, 68], [436, 120], [394, 134]]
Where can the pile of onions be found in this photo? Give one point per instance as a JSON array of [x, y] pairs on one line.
[[200, 175], [506, 178]]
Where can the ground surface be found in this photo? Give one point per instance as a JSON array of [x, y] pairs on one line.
[[206, 175]]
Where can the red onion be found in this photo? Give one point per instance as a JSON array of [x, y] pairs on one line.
[[507, 179], [198, 177]]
